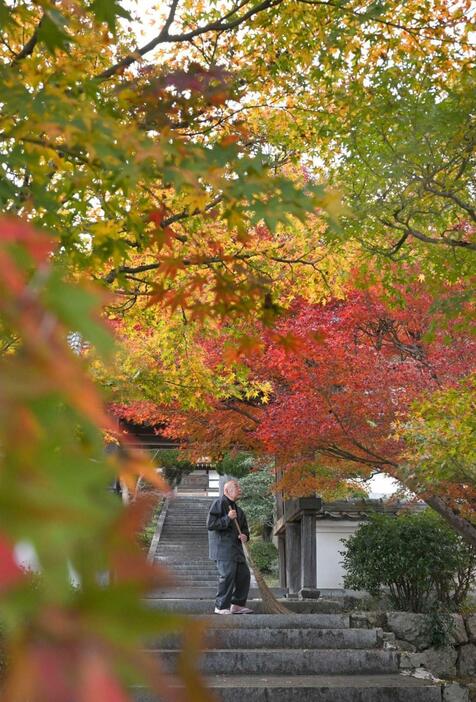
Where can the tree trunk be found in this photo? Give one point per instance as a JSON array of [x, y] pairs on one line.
[[465, 528]]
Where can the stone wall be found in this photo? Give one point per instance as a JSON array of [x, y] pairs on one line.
[[413, 635]]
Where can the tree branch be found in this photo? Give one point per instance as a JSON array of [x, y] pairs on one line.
[[454, 198], [30, 45], [165, 38], [205, 261], [464, 527], [454, 243]]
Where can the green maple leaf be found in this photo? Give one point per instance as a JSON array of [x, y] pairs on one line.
[[5, 16], [107, 11], [52, 31]]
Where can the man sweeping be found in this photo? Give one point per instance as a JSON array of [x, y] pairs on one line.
[[225, 542]]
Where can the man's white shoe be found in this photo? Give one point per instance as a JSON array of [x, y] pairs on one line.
[[222, 611], [236, 609]]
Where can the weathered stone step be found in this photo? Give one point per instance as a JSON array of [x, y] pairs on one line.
[[193, 572], [184, 593], [316, 688], [186, 526], [201, 593], [272, 638], [187, 577], [204, 581], [191, 566], [290, 662], [189, 572], [200, 606], [277, 621], [167, 550], [210, 584], [190, 545], [168, 544], [193, 548], [199, 526]]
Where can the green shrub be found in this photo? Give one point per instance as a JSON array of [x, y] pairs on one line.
[[264, 555], [421, 561], [257, 499], [235, 463]]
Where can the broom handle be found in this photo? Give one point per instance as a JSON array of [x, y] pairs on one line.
[[244, 545]]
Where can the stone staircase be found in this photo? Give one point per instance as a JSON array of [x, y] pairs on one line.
[[183, 544], [195, 483], [313, 657]]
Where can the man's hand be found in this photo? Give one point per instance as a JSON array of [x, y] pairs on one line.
[[243, 538], [232, 513]]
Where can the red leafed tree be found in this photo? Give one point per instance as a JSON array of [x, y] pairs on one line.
[[357, 366], [343, 374]]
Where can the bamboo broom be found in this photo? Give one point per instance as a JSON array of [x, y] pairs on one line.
[[270, 603]]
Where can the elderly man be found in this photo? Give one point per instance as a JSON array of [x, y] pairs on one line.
[[226, 549]]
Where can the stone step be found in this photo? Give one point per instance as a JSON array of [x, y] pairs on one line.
[[172, 532], [283, 622], [182, 554], [210, 584], [194, 565], [189, 567], [276, 621], [184, 593], [187, 577], [168, 543], [206, 606], [201, 593], [315, 688], [290, 662], [272, 638], [184, 498], [191, 545], [197, 517], [192, 572], [199, 526], [184, 581], [179, 524], [176, 537], [188, 574], [191, 505]]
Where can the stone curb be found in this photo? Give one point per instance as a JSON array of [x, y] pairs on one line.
[[158, 531]]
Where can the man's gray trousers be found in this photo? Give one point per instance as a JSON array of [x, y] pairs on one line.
[[233, 583]]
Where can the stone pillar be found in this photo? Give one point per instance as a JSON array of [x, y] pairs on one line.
[[293, 557], [282, 559], [278, 495], [308, 554]]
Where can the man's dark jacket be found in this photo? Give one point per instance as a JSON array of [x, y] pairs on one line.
[[223, 541]]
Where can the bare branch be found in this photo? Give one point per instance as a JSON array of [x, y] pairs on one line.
[[454, 243], [239, 410], [471, 211], [165, 38]]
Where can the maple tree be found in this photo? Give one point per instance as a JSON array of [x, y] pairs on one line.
[[344, 390], [342, 395]]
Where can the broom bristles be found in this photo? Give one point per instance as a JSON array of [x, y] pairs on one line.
[[271, 605]]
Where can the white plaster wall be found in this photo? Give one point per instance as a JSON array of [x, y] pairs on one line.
[[213, 483], [330, 572]]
